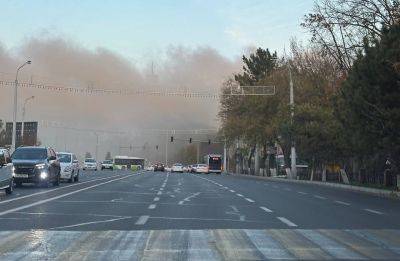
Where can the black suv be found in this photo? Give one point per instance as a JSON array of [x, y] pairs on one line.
[[37, 165]]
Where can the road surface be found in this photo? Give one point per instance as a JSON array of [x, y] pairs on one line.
[[123, 215]]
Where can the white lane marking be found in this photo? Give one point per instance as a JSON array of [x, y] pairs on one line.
[[266, 209], [189, 198], [373, 211], [302, 193], [142, 220], [51, 190], [161, 189], [239, 195], [232, 191], [342, 202], [249, 200], [60, 196], [319, 197], [159, 193], [90, 223], [225, 188], [287, 222], [156, 199], [69, 214], [152, 206]]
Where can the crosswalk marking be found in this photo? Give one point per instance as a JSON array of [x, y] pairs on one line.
[[219, 244]]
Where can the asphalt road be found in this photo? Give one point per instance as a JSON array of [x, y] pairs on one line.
[[124, 215]]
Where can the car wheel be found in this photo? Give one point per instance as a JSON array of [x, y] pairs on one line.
[[71, 179], [57, 181], [10, 189], [76, 178]]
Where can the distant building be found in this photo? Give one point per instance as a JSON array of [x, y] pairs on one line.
[[30, 133]]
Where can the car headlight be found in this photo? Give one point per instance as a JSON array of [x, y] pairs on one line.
[[43, 175], [40, 166]]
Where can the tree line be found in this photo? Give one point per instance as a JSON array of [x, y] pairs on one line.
[[347, 93]]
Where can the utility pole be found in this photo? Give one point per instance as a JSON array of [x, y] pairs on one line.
[[225, 166], [198, 152], [97, 145], [166, 149], [14, 130], [293, 171], [23, 118], [237, 157]]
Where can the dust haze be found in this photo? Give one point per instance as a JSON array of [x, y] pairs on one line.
[[57, 61]]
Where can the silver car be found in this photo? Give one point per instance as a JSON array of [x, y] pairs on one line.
[[6, 172], [69, 166]]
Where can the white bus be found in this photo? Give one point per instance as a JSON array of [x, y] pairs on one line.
[[214, 162], [128, 163]]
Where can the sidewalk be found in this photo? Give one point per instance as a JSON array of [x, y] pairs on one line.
[[373, 191]]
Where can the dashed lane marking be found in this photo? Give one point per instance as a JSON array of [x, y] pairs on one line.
[[156, 199], [152, 206], [319, 197], [302, 193], [249, 200], [142, 220], [266, 209], [342, 203], [287, 222], [373, 211], [239, 195], [159, 193], [232, 191]]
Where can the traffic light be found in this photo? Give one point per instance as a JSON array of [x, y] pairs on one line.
[[172, 138], [190, 140], [209, 142]]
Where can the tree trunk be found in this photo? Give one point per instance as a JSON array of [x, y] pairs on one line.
[[323, 172]]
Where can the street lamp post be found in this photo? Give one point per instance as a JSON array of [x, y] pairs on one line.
[[23, 118], [293, 171], [14, 132]]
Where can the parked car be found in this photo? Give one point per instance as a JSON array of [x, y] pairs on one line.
[[159, 167], [90, 164], [37, 165], [177, 167], [168, 169], [69, 166], [201, 168], [107, 164], [6, 172]]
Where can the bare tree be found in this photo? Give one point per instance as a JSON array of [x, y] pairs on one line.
[[340, 27]]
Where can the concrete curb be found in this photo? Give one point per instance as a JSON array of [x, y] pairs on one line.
[[372, 191]]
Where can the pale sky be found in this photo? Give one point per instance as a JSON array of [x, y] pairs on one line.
[[142, 30]]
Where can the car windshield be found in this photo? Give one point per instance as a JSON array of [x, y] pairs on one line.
[[107, 162], [90, 160], [178, 165], [64, 157], [30, 154]]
